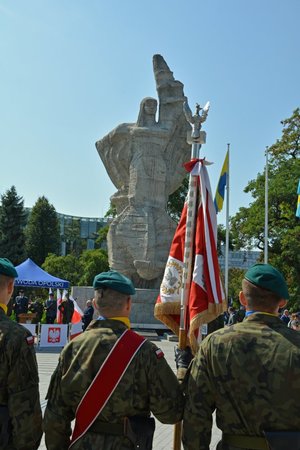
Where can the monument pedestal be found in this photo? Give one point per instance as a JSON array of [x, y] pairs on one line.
[[142, 312]]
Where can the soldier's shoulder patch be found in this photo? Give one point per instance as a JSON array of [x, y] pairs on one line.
[[159, 353], [30, 340]]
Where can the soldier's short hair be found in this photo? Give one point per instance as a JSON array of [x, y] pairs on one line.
[[108, 299], [258, 297]]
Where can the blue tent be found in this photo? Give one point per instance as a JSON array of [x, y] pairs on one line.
[[31, 275]]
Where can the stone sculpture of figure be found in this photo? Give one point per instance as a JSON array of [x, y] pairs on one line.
[[144, 161]]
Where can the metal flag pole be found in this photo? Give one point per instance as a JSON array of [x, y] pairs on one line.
[[227, 226], [266, 206], [196, 138]]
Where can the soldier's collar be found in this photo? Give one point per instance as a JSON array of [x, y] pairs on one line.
[[125, 320], [4, 307], [249, 313], [260, 314]]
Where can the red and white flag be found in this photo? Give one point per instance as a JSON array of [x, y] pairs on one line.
[[58, 302], [206, 299], [75, 330], [78, 313]]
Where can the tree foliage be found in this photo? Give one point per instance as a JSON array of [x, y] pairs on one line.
[[102, 235], [65, 267], [12, 223], [74, 242], [284, 227], [78, 271], [42, 231], [92, 262], [235, 277], [177, 199], [221, 239]]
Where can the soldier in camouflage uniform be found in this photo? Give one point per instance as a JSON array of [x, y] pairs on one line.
[[148, 385], [243, 372], [20, 411]]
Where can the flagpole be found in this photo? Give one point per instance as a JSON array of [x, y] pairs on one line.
[[266, 206], [227, 226], [197, 138], [188, 248]]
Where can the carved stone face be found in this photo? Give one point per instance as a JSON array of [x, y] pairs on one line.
[[150, 107]]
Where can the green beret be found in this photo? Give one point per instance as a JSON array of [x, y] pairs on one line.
[[267, 277], [114, 280], [7, 268]]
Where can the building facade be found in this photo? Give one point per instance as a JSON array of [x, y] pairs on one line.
[[79, 233], [241, 259]]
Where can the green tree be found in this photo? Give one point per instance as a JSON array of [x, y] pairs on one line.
[[12, 224], [42, 231], [92, 263], [177, 199], [284, 227], [221, 239], [111, 212], [74, 243], [66, 267], [235, 277], [102, 232], [102, 235]]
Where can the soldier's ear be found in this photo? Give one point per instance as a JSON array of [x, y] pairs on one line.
[[129, 303], [242, 298], [282, 303], [94, 303], [10, 287]]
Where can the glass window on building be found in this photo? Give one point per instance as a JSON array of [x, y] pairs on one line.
[[63, 249], [61, 224], [92, 229], [84, 228], [90, 244]]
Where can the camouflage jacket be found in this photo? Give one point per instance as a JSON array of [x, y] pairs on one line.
[[148, 384], [250, 374], [19, 386]]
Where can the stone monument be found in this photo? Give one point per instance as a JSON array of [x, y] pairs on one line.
[[145, 162]]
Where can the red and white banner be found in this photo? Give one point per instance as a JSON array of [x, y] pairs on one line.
[[55, 335], [75, 330], [78, 313], [30, 327], [58, 302], [206, 299]]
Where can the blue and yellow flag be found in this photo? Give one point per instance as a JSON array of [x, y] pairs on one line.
[[220, 192], [298, 204]]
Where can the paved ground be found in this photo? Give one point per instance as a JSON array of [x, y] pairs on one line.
[[163, 438]]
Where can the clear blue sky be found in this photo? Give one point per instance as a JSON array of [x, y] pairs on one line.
[[73, 70]]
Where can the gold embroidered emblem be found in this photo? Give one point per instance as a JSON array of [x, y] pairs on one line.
[[172, 280]]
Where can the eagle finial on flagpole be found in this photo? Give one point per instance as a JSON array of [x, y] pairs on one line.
[[196, 121]]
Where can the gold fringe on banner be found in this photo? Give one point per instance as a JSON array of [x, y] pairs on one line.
[[213, 311], [164, 312]]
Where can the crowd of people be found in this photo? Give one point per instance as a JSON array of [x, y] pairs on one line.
[[51, 308], [234, 315], [292, 320], [110, 379]]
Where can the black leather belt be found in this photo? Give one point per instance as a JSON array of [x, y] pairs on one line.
[[253, 442], [116, 429]]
